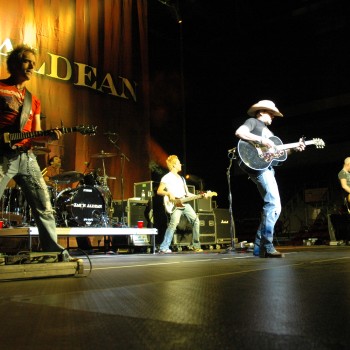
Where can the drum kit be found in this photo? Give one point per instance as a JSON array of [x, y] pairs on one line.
[[87, 205]]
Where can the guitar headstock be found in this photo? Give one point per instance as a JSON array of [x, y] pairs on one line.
[[86, 129], [211, 194], [319, 143]]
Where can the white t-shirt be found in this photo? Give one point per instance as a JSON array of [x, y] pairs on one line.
[[174, 184]]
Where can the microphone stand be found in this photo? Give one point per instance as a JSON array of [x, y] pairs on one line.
[[123, 157], [231, 156]]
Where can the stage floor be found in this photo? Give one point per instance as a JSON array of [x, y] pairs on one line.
[[185, 300], [138, 236]]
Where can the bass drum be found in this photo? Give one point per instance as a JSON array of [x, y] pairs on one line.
[[82, 206]]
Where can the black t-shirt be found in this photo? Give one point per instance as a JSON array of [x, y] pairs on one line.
[[256, 127]]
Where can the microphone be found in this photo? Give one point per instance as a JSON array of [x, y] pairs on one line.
[[110, 133]]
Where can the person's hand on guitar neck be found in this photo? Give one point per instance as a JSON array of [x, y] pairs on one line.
[[299, 148]]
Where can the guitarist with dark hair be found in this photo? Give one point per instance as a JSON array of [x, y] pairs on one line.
[[257, 156], [20, 112], [174, 189]]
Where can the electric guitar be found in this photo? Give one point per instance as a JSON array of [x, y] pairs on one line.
[[170, 206], [258, 157], [7, 138]]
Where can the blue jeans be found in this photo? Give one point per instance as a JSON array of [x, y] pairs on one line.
[[175, 220], [268, 189], [25, 170]]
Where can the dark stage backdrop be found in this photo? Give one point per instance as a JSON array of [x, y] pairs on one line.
[[92, 69]]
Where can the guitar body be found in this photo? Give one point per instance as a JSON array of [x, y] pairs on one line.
[[171, 206], [258, 157]]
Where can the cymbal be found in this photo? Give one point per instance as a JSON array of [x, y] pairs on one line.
[[40, 150], [67, 177], [103, 154]]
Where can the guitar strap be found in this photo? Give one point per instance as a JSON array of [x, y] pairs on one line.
[[183, 180], [26, 108]]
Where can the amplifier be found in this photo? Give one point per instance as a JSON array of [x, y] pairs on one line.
[[222, 225], [150, 188], [118, 210], [193, 203], [137, 212], [204, 205], [136, 209]]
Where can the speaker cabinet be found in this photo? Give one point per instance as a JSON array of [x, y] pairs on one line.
[[204, 205], [150, 188], [207, 230], [193, 203], [207, 233], [223, 226], [183, 233], [119, 209], [182, 238], [137, 212]]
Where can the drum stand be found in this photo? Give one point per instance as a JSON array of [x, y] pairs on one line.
[[5, 220], [55, 190], [7, 210], [104, 216], [123, 157]]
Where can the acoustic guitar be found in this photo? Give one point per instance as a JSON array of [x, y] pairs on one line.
[[258, 157]]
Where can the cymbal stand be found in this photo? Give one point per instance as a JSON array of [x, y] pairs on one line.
[[7, 208], [123, 157], [104, 181], [3, 198], [55, 189]]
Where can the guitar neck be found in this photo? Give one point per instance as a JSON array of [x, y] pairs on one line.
[[28, 135], [188, 199], [293, 145]]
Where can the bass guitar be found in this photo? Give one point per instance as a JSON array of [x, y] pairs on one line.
[[7, 139], [170, 206], [258, 157]]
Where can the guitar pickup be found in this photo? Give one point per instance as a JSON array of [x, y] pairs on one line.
[[6, 136]]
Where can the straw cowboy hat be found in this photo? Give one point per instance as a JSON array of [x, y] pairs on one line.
[[264, 104]]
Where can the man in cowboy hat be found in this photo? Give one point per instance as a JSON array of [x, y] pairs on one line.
[[255, 130]]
